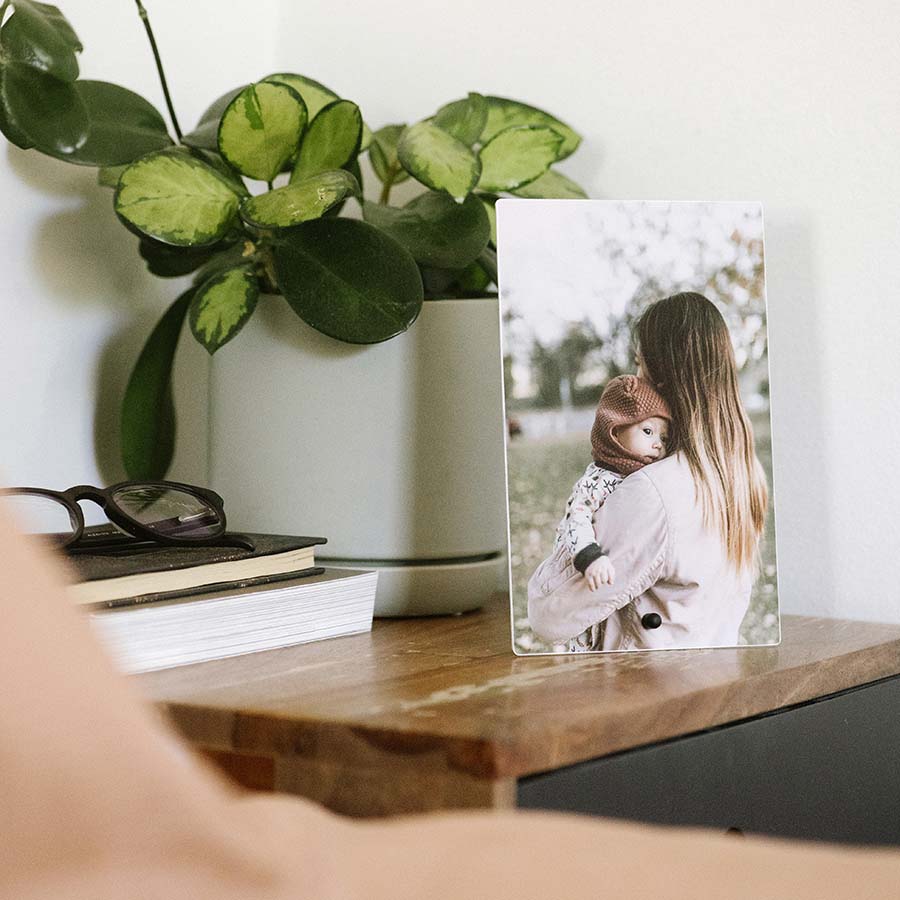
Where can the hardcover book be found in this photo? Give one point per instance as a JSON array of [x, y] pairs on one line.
[[138, 572]]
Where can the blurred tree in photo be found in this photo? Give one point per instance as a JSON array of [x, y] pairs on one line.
[[646, 257]]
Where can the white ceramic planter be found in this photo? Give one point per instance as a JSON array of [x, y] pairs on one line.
[[393, 451]]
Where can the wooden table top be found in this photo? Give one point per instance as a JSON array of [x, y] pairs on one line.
[[452, 685]]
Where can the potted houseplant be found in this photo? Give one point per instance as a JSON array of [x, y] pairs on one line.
[[263, 205]]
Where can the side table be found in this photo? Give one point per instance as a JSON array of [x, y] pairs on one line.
[[425, 714]]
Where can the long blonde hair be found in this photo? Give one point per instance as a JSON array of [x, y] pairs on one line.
[[686, 351]]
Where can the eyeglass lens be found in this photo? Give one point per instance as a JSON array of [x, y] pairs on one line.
[[169, 511], [39, 514]]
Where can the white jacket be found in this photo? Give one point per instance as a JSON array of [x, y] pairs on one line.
[[666, 561]]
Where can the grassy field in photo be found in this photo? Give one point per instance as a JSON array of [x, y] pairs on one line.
[[541, 475]]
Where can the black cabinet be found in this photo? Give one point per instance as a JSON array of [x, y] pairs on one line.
[[827, 770]]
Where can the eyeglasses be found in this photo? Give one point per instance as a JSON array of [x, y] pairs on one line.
[[167, 512]]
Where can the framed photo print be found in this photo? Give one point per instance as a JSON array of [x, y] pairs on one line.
[[639, 457]]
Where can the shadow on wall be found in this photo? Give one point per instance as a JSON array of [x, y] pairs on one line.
[[803, 481], [82, 254], [84, 263]]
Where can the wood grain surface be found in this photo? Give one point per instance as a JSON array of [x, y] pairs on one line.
[[444, 699]]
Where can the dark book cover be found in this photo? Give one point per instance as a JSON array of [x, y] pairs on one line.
[[95, 561]]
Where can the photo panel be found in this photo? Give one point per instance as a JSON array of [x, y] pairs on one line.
[[639, 456]]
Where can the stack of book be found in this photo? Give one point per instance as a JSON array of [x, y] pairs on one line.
[[155, 607]]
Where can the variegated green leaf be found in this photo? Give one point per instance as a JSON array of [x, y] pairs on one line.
[[436, 230], [516, 156], [366, 139], [206, 134], [438, 160], [383, 154], [39, 36], [331, 141], [551, 185], [176, 199], [314, 94], [222, 305], [464, 119], [300, 201], [230, 258], [260, 130], [215, 161], [503, 114]]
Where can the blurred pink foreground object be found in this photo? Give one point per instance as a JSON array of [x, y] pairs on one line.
[[128, 811]]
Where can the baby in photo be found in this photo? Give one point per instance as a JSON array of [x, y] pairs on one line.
[[630, 431]]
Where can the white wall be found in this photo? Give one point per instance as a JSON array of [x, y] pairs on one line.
[[77, 302], [794, 104]]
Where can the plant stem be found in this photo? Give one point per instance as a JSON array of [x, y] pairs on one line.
[[386, 188], [264, 255], [159, 68]]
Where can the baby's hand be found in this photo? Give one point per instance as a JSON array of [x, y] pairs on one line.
[[600, 571]]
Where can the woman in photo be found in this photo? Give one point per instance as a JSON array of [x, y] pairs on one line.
[[681, 534]]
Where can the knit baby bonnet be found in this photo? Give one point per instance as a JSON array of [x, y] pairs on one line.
[[624, 401]]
